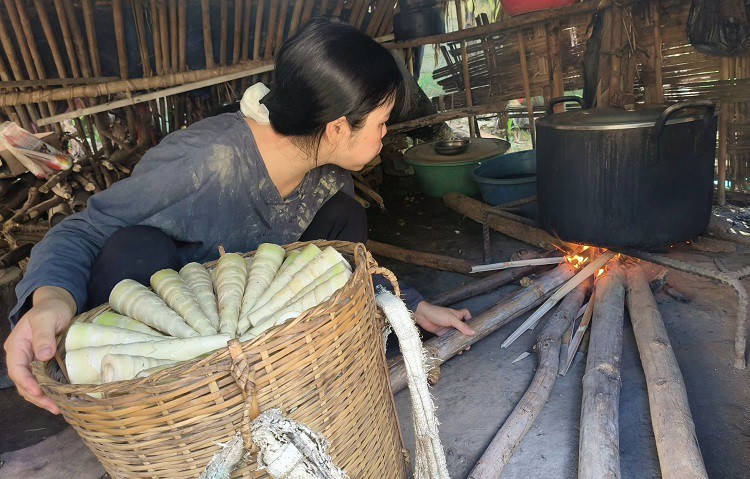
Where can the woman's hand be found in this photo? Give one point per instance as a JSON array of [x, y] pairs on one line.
[[439, 320], [33, 338]]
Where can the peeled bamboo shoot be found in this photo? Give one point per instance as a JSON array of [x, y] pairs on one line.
[[231, 278], [175, 291], [110, 318], [86, 335], [281, 279], [199, 280], [132, 299], [268, 259], [123, 367]]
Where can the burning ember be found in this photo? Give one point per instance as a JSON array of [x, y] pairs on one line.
[[582, 255]]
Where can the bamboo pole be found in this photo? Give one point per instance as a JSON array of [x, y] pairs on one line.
[[465, 65], [514, 429], [223, 43], [174, 36], [246, 24], [156, 38], [338, 9], [281, 25], [441, 348], [20, 112], [526, 84], [237, 36], [324, 7], [723, 138], [238, 73], [258, 29], [599, 444], [88, 23], [62, 20], [658, 47], [15, 65], [299, 5], [166, 57], [674, 430], [123, 86], [555, 61], [377, 17], [182, 35], [270, 28], [307, 12], [428, 260], [122, 56], [387, 24], [140, 28], [615, 58], [59, 63], [362, 14]]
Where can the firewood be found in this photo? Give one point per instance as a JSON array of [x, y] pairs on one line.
[[44, 206], [86, 183], [516, 264], [31, 199], [498, 453], [441, 348], [674, 430], [54, 180], [429, 260], [63, 190], [599, 444]]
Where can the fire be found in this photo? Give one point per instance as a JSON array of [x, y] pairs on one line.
[[580, 256], [600, 272]]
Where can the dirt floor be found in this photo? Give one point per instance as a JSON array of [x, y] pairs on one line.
[[479, 388]]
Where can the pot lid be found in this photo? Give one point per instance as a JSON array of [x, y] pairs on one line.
[[644, 116], [479, 149]]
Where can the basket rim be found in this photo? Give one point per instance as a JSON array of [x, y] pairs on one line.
[[363, 260]]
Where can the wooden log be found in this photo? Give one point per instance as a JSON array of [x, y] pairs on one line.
[[599, 444], [503, 223], [490, 283], [674, 430], [514, 429], [428, 260], [441, 348]]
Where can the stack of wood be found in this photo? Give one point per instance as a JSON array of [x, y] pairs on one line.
[[30, 206]]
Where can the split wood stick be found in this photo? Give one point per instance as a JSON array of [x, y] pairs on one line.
[[581, 276], [514, 429], [599, 444], [526, 84], [516, 264], [242, 73], [485, 285], [441, 348], [258, 29], [503, 223], [86, 183], [575, 341], [674, 430], [428, 260]]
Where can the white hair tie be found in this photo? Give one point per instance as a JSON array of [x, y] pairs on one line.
[[251, 106]]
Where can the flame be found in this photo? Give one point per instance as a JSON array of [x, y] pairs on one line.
[[600, 272], [580, 256]]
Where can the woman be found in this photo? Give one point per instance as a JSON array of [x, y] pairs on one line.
[[276, 173]]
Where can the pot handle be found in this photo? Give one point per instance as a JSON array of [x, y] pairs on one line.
[[708, 105], [565, 99]]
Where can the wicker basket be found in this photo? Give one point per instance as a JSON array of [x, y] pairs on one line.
[[326, 369]]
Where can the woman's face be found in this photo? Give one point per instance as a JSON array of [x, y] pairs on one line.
[[360, 146]]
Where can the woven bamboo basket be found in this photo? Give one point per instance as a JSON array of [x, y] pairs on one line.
[[325, 369]]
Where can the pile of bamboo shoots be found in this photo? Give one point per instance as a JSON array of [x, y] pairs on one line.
[[195, 311]]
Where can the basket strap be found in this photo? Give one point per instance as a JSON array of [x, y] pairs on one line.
[[244, 375]]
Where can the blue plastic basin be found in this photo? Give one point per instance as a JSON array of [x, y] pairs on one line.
[[508, 178]]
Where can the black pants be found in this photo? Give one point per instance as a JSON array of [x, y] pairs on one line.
[[137, 252]]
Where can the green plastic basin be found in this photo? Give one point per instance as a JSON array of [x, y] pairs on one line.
[[439, 175]]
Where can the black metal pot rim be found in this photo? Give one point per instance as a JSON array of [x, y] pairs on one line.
[[619, 126]]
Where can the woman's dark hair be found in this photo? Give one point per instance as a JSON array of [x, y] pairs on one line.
[[329, 70]]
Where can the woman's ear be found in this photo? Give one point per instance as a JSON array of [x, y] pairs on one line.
[[338, 130]]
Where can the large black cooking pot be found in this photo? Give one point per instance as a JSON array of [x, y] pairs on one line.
[[615, 178]]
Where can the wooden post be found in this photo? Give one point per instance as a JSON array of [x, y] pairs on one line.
[[723, 139], [599, 444], [465, 64], [514, 429], [526, 84], [555, 62], [674, 430], [658, 45], [441, 348]]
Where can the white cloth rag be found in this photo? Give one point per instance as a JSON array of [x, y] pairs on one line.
[[250, 104]]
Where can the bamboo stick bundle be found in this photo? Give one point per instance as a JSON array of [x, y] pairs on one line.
[[674, 430], [599, 444], [441, 348], [514, 429]]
